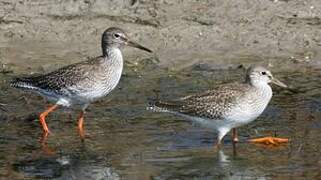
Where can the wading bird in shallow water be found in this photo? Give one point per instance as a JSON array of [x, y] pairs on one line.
[[81, 83], [228, 106]]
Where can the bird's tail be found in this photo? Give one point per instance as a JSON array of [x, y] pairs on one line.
[[162, 106], [22, 83]]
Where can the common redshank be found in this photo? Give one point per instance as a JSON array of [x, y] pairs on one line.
[[228, 106], [81, 83]]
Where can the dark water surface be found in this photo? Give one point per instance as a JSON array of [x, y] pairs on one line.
[[127, 142]]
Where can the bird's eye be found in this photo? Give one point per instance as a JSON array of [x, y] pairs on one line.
[[263, 73], [116, 35]]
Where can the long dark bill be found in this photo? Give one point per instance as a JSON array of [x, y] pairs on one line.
[[136, 45]]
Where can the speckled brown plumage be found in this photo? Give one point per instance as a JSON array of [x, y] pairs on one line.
[[83, 75], [212, 104]]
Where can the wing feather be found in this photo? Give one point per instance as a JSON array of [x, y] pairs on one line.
[[212, 104], [58, 81]]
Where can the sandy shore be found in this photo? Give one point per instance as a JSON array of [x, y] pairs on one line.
[[180, 32]]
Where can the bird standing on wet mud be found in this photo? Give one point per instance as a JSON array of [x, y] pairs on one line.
[[81, 83], [228, 106]]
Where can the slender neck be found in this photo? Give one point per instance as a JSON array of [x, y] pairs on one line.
[[263, 88], [104, 48], [110, 51], [260, 86], [113, 55], [108, 48]]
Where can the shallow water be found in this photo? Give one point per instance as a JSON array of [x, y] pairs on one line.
[[124, 141]]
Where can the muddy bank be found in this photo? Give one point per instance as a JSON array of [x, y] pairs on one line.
[[219, 31]]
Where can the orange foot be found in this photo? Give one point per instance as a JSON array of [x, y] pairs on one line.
[[269, 140]]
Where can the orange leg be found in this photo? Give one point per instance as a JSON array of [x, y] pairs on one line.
[[235, 138], [81, 125], [269, 140], [46, 149], [43, 116]]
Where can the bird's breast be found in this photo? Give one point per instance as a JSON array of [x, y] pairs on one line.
[[111, 79], [100, 83], [250, 106]]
